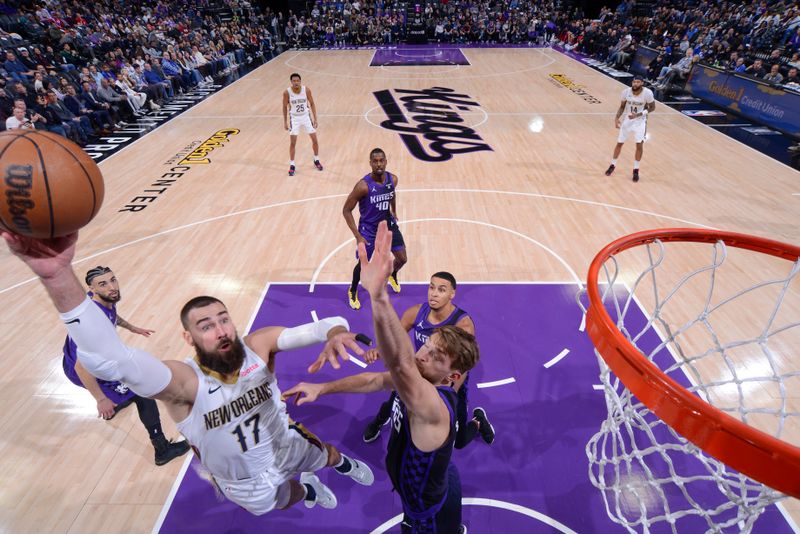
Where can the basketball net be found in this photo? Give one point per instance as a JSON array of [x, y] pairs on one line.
[[684, 368]]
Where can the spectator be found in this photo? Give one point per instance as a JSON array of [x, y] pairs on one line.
[[152, 78], [774, 76], [18, 120], [105, 93], [756, 69], [77, 106], [792, 77], [46, 116], [680, 69], [16, 69], [78, 128]]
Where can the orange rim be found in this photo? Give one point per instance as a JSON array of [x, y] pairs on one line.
[[758, 455]]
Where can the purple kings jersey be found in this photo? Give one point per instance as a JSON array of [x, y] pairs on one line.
[[374, 207], [423, 329]]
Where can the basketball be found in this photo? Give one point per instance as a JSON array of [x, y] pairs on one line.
[[50, 186]]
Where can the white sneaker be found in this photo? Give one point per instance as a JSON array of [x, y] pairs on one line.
[[325, 496], [360, 472]]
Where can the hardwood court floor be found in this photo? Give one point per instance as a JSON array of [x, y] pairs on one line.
[[535, 207]]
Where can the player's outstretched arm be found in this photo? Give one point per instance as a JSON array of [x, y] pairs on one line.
[[122, 323], [305, 392], [419, 395], [332, 331], [100, 350]]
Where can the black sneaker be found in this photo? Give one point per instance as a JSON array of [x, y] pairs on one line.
[[610, 170], [291, 170], [166, 451], [318, 165], [635, 175], [372, 431], [486, 429]]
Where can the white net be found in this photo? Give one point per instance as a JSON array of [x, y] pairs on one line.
[[728, 333]]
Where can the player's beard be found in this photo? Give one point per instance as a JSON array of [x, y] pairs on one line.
[[222, 363], [110, 300]]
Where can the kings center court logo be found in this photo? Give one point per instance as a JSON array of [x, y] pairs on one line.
[[429, 121]]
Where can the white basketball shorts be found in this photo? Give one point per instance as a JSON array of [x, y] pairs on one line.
[[302, 452]]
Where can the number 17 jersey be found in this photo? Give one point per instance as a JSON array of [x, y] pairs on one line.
[[240, 429]]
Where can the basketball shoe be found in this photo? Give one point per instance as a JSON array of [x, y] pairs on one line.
[[352, 297], [485, 429], [324, 496], [394, 283]]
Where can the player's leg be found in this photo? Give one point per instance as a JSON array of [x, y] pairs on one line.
[[269, 491], [352, 291], [617, 151], [373, 429], [150, 418], [639, 152], [292, 145], [478, 424], [640, 134], [344, 465], [315, 148], [400, 257], [448, 518], [467, 430]]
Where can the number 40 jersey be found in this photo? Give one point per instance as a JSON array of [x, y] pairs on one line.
[[374, 207]]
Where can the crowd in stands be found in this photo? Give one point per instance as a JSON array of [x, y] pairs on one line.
[[81, 69], [756, 37]]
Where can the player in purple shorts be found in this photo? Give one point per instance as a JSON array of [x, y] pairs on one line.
[[423, 428], [375, 195], [423, 320], [113, 396]]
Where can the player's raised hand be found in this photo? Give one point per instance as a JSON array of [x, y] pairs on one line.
[[336, 348], [45, 257], [375, 271], [303, 393]]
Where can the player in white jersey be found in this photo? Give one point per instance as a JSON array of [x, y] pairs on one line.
[[226, 400], [299, 112], [637, 102]]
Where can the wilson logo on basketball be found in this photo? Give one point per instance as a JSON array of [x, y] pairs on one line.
[[434, 129], [19, 182]]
